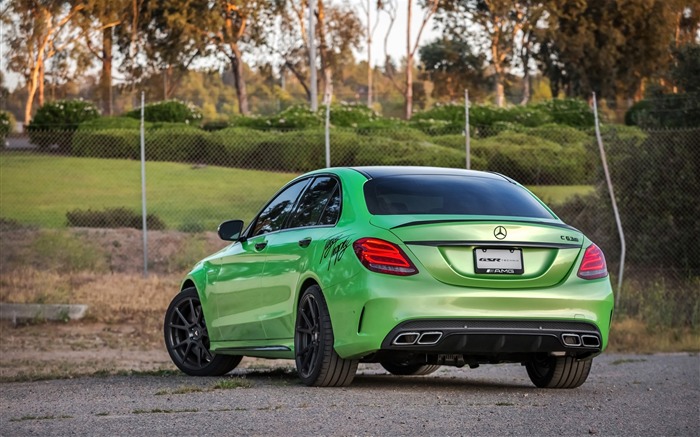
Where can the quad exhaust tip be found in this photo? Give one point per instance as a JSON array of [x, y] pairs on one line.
[[421, 338], [430, 337], [585, 340], [571, 339], [590, 340]]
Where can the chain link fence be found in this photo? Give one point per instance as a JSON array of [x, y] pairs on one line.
[[86, 184]]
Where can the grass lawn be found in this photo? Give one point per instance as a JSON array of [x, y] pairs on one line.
[[40, 189], [558, 194]]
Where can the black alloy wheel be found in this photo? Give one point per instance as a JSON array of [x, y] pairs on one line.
[[317, 362], [187, 338]]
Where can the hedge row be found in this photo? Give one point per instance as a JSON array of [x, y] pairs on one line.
[[527, 155]]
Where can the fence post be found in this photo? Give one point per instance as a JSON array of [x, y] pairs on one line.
[[143, 191], [466, 129], [328, 129], [612, 199]]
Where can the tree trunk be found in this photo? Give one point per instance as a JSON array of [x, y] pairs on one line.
[[369, 57], [106, 78], [526, 80], [327, 73], [408, 93], [299, 78], [500, 91], [42, 79], [239, 80]]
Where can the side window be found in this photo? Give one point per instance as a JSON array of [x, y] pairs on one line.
[[272, 218], [332, 213], [314, 202]]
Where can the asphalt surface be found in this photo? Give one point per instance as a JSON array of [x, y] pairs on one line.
[[625, 394]]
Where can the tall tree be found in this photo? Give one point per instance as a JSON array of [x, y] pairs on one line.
[[337, 29], [178, 31], [610, 47], [38, 32], [429, 9], [370, 29], [99, 22], [453, 66], [494, 24]]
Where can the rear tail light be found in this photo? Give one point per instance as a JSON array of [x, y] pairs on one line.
[[383, 257], [593, 265]]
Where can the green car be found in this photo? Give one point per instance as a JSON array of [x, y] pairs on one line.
[[410, 267]]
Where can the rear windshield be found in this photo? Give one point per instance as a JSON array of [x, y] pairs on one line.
[[445, 194]]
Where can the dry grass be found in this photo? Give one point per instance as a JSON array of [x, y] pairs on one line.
[[111, 297], [632, 335]]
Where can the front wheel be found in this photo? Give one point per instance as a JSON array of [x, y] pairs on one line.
[[317, 362], [187, 338], [558, 372]]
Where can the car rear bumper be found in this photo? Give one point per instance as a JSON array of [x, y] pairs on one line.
[[493, 337], [369, 315]]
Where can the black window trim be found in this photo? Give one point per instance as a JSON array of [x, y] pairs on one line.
[[296, 204], [284, 227], [251, 226]]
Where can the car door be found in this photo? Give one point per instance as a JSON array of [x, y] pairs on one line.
[[238, 271], [289, 253]]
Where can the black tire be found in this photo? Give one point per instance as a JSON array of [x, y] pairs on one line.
[[558, 372], [408, 368], [187, 339], [317, 362]]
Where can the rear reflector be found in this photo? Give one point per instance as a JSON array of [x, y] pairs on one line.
[[593, 265], [383, 257]]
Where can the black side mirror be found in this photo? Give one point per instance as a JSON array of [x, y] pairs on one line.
[[230, 230]]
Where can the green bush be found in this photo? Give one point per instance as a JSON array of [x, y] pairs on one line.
[[571, 112], [349, 115], [637, 114], [449, 113], [182, 144], [293, 118], [55, 122], [112, 218], [437, 127], [7, 124], [561, 134], [107, 143], [170, 111], [211, 126], [665, 111], [656, 182], [238, 145], [111, 123], [533, 160]]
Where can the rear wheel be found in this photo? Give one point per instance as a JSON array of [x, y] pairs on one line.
[[317, 362], [187, 338], [558, 372], [408, 367]]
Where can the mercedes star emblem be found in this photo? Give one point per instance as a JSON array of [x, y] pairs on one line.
[[500, 232]]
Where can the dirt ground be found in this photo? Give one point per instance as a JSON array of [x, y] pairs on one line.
[[102, 268], [67, 350]]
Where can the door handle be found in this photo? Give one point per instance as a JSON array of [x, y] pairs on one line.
[[260, 246], [305, 242]]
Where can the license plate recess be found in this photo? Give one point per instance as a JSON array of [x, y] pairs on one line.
[[498, 261]]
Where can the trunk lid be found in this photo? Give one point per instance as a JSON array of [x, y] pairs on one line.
[[485, 252]]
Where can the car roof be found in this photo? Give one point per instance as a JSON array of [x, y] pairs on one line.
[[383, 171]]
